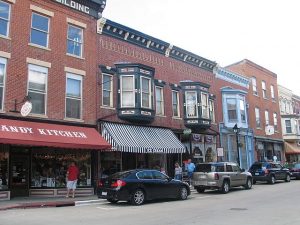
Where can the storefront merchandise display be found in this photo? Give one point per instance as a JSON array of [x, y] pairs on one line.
[[3, 170]]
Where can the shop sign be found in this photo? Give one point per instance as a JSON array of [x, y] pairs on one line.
[[26, 108], [40, 131], [220, 152], [79, 7], [150, 150], [197, 137], [209, 139]]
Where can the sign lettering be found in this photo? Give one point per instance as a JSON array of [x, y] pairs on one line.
[[75, 5]]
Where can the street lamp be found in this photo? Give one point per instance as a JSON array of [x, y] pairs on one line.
[[236, 130]]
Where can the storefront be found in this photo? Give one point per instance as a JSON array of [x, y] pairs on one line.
[[269, 149], [34, 157], [139, 147]]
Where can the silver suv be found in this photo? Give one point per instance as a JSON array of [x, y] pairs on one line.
[[221, 176]]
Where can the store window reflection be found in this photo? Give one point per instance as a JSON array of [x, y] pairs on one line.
[[3, 169], [49, 169]]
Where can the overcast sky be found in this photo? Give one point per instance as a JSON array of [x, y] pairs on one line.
[[266, 32]]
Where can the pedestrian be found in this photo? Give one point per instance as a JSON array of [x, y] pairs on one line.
[[190, 169], [72, 178], [162, 170], [178, 172]]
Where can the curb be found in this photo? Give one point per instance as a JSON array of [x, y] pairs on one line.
[[38, 205]]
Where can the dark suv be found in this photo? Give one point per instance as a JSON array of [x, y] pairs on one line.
[[269, 172]]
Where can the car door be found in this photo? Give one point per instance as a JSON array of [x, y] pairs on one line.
[[231, 174], [240, 177], [276, 171], [147, 182], [163, 185]]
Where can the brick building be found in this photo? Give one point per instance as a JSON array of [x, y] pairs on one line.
[[48, 72], [264, 114], [147, 85]]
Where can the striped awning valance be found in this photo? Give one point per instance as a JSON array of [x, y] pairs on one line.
[[139, 139]]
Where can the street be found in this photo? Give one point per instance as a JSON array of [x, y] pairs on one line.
[[263, 205]]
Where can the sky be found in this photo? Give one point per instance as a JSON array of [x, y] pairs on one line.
[[266, 32]]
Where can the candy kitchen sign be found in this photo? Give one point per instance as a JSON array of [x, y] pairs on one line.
[[41, 131], [87, 7]]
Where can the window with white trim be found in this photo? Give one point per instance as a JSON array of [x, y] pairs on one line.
[[191, 104], [146, 92], [37, 88], [39, 30], [127, 91], [267, 119], [288, 126], [4, 18], [254, 86], [275, 121], [75, 40], [107, 87], [3, 63], [242, 110], [272, 92], [231, 109], [257, 117], [212, 111], [204, 105], [159, 101], [175, 104], [264, 90], [74, 96]]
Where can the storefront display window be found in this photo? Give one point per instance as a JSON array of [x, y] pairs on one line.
[[3, 169], [49, 168]]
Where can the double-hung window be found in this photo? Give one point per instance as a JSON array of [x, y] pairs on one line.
[[74, 96], [127, 91], [254, 86], [107, 87], [212, 111], [175, 103], [204, 104], [75, 40], [37, 88], [242, 110], [288, 126], [4, 18], [267, 117], [264, 90], [3, 62], [191, 104], [272, 92], [231, 109], [257, 117], [146, 92], [39, 30], [275, 121], [159, 97]]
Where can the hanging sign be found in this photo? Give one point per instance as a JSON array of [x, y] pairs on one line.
[[26, 108]]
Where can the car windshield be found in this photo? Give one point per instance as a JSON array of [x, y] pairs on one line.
[[206, 168], [120, 175], [256, 166]]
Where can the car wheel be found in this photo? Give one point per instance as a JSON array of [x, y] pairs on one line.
[[111, 200], [272, 180], [183, 193], [138, 197], [200, 190], [288, 178], [248, 184], [225, 187]]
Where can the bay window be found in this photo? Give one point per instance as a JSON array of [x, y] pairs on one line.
[[191, 104], [175, 103], [146, 92], [159, 98], [231, 109], [127, 91], [204, 105]]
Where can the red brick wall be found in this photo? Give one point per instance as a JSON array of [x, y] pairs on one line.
[[17, 71], [111, 51], [250, 69]]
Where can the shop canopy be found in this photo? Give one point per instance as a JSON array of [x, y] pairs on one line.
[[17, 132], [139, 139], [291, 148]]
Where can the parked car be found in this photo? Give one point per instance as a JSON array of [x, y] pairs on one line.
[[269, 172], [221, 176], [295, 170], [137, 186]]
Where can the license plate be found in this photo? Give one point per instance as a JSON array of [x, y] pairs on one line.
[[104, 193], [256, 174], [202, 177]]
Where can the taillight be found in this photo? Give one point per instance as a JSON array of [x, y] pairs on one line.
[[118, 183], [100, 184], [217, 176]]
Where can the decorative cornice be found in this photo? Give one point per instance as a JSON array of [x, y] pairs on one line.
[[231, 77], [137, 38]]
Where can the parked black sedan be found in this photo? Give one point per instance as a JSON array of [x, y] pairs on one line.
[[137, 186], [295, 171], [269, 172]]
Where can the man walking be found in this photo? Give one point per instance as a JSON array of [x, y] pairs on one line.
[[190, 169], [72, 177]]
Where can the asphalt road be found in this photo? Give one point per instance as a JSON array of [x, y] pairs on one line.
[[263, 205]]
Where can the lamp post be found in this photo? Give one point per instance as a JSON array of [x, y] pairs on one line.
[[236, 130]]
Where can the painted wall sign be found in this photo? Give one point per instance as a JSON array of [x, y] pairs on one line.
[[86, 7]]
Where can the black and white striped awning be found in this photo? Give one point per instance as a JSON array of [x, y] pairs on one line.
[[138, 139]]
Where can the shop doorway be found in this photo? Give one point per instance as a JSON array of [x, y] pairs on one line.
[[19, 174]]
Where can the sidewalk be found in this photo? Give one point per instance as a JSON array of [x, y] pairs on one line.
[[38, 202]]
